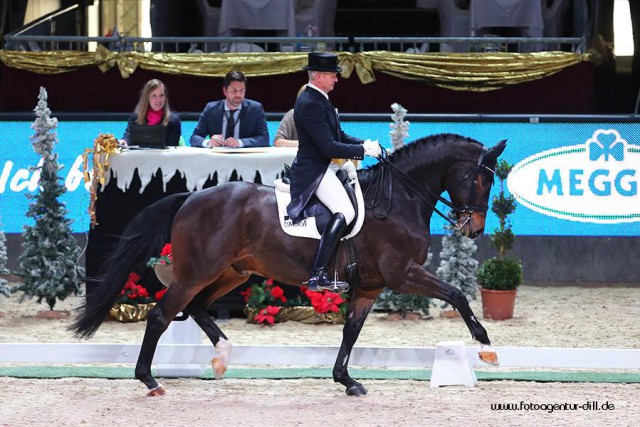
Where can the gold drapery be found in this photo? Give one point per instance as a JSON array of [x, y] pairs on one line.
[[457, 71]]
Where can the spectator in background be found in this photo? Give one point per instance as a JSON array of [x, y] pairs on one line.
[[287, 136], [232, 122], [153, 109]]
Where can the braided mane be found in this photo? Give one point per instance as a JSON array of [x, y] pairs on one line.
[[419, 153]]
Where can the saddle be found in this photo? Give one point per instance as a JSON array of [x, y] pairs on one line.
[[313, 226]]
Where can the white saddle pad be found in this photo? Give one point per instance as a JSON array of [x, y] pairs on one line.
[[307, 227]]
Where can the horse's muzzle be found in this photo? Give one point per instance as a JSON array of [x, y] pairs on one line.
[[471, 224]]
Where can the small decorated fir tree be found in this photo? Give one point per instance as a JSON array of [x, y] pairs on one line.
[[48, 264], [399, 128], [4, 286], [457, 265]]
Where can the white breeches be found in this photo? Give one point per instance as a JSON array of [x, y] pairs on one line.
[[332, 194]]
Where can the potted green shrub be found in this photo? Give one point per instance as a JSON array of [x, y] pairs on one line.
[[500, 276]]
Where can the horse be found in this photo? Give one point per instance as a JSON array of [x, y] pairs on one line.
[[222, 235]]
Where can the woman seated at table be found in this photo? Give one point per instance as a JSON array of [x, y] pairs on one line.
[[153, 109]]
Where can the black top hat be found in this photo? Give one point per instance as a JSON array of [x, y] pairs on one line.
[[320, 61]]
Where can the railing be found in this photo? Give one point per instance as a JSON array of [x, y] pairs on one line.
[[291, 44]]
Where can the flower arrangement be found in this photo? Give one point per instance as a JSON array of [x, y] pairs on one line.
[[267, 304], [134, 293], [165, 257]]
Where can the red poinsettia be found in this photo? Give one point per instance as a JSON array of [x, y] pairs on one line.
[[325, 302], [133, 293], [160, 294], [166, 256], [266, 299], [278, 294], [267, 315]]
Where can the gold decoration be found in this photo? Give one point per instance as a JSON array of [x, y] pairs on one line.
[[103, 147], [300, 314], [127, 313], [458, 71]]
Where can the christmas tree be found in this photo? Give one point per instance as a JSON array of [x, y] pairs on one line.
[[4, 287], [399, 128], [457, 265], [48, 264]]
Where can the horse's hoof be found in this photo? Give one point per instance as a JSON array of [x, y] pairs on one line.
[[218, 367], [356, 390], [489, 356], [157, 391]]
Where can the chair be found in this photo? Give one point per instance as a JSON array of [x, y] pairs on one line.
[[245, 47], [455, 21], [210, 13], [319, 14], [555, 15]]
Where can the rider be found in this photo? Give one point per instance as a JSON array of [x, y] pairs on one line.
[[321, 139]]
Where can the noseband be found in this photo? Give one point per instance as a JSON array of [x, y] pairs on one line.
[[418, 189]]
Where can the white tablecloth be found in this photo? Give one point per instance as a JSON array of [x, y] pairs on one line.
[[257, 15], [197, 165], [525, 14]]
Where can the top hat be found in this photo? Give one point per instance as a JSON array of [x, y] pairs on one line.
[[320, 61]]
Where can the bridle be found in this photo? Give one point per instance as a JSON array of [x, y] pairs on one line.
[[418, 189]]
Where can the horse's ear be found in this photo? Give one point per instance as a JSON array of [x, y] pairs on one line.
[[495, 151]]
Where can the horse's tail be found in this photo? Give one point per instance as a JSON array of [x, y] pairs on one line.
[[143, 238]]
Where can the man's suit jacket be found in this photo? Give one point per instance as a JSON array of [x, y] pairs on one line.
[[253, 124], [320, 139]]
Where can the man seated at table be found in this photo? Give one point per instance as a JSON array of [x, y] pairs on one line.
[[232, 122]]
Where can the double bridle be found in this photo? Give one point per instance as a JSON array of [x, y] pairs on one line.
[[418, 189]]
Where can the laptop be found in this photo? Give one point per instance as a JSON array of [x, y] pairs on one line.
[[145, 136]]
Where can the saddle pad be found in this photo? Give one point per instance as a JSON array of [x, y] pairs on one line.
[[307, 226]]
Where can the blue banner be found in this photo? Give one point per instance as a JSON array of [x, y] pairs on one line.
[[569, 179]]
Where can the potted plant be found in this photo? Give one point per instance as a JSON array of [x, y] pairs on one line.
[[267, 304], [134, 302], [162, 265], [500, 276]]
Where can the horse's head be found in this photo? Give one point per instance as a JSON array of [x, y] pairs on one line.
[[469, 186]]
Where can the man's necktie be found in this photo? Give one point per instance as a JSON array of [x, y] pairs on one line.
[[231, 124]]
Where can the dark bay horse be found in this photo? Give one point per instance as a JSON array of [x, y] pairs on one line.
[[222, 235]]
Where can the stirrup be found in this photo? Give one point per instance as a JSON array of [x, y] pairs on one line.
[[321, 282]]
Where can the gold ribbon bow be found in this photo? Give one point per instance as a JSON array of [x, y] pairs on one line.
[[103, 147], [361, 63]]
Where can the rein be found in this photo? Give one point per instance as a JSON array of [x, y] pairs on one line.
[[418, 189]]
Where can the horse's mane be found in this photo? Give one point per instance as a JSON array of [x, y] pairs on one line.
[[419, 153]]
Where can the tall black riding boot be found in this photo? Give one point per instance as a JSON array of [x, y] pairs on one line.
[[330, 237]]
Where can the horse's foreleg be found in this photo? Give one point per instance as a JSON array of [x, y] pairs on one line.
[[357, 314], [419, 281], [219, 340]]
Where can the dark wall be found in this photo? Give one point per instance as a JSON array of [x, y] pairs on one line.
[[570, 91]]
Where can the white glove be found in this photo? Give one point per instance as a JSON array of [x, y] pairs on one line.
[[371, 148]]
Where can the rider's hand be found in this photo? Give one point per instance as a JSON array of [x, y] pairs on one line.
[[371, 148]]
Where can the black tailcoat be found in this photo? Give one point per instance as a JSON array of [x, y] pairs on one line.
[[320, 139]]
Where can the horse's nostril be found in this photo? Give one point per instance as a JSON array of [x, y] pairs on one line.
[[477, 233]]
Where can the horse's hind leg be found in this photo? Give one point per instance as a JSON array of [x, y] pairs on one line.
[[357, 314], [219, 340], [174, 301], [156, 325]]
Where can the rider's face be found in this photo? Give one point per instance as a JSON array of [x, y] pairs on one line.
[[326, 81]]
